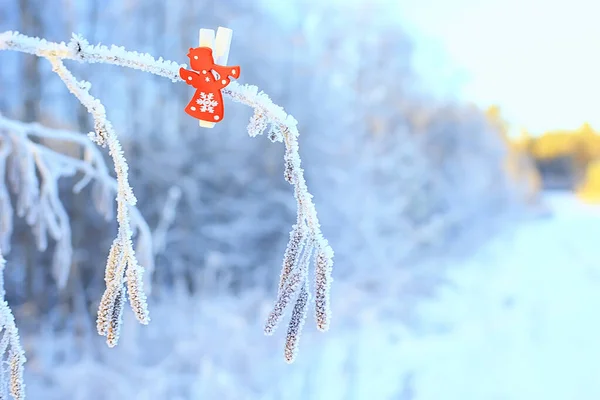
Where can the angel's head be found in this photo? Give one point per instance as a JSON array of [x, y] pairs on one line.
[[201, 58]]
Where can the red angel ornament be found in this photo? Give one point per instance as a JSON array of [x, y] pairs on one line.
[[207, 103]]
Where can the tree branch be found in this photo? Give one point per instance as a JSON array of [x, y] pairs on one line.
[[283, 127]]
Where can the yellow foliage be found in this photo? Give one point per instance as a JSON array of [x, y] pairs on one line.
[[590, 190], [582, 145], [518, 163]]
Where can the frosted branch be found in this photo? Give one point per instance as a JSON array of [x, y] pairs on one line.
[[283, 127], [40, 200], [105, 136], [12, 356]]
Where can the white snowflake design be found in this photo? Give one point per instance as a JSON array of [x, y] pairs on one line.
[[207, 103]]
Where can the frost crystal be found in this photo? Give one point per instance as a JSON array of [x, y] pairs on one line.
[[11, 352], [292, 254], [116, 317], [257, 125], [275, 134], [322, 285], [297, 323]]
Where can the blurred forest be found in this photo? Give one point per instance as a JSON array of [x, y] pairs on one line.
[[398, 179]]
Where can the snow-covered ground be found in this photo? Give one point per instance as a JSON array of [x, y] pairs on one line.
[[519, 320]]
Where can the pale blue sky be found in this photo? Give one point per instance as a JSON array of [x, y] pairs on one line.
[[539, 60]]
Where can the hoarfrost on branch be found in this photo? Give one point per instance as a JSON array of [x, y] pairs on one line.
[[39, 203]]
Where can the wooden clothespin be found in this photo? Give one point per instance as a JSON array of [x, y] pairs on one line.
[[220, 45], [208, 75]]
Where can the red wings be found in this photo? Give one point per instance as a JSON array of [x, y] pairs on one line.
[[190, 77]]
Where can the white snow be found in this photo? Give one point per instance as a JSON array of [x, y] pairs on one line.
[[521, 318]]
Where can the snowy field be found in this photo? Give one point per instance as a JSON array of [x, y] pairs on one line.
[[518, 321]]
